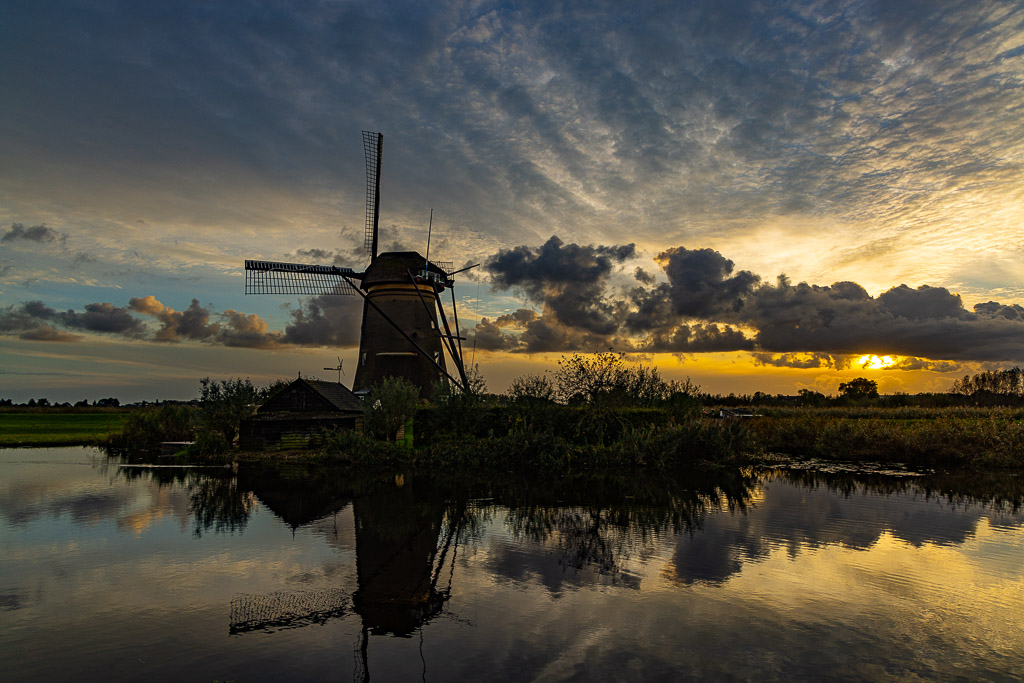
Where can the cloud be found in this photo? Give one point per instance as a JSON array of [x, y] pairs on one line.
[[191, 324], [40, 234], [47, 333], [995, 309], [568, 280], [325, 321], [35, 320], [707, 305], [320, 321]]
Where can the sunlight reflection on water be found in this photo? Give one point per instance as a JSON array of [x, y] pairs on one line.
[[177, 573]]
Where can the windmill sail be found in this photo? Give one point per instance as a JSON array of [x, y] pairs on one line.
[[271, 277], [373, 147]]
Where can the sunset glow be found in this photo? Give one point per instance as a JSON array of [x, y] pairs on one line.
[[667, 180], [876, 362]]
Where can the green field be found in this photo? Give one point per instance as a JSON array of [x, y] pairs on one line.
[[53, 428]]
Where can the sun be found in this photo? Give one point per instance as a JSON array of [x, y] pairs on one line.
[[872, 362]]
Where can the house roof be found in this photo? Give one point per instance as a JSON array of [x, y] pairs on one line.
[[336, 394]]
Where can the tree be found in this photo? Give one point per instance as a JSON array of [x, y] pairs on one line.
[[225, 403], [1005, 382], [809, 397], [535, 388], [859, 388], [389, 404], [606, 379]]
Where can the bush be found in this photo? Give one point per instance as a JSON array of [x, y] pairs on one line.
[[355, 448], [532, 388], [389, 404], [225, 403], [144, 429]]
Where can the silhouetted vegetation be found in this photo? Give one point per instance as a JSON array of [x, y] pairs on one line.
[[211, 422], [389, 405], [145, 428], [921, 437], [596, 412], [1000, 383]]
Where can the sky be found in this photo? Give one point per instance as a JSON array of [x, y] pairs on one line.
[[761, 196]]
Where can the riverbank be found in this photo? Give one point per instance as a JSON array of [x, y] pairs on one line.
[[552, 437]]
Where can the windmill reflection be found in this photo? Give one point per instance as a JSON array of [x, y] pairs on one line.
[[405, 537], [399, 559]]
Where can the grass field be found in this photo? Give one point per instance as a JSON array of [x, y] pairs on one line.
[[55, 428]]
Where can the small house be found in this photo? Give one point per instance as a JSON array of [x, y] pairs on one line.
[[298, 415]]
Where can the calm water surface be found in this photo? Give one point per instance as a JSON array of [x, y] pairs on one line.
[[199, 574]]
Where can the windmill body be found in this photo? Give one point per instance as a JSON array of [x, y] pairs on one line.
[[400, 334], [412, 304]]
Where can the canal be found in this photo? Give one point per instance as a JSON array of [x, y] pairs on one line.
[[119, 572]]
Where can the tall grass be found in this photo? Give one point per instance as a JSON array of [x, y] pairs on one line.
[[923, 437]]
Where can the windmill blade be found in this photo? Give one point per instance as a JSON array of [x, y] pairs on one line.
[[271, 277], [373, 148]]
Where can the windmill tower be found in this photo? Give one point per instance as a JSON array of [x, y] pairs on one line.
[[404, 331]]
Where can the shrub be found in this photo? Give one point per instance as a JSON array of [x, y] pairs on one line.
[[225, 403], [144, 429], [389, 404]]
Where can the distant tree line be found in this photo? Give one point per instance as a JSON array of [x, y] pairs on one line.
[[45, 403], [1002, 382]]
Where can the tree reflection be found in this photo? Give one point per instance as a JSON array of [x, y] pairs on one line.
[[219, 504], [623, 517]]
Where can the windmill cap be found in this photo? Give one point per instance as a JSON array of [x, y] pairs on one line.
[[395, 266]]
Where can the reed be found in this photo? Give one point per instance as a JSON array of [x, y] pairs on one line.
[[932, 437]]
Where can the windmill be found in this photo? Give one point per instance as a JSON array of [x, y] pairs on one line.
[[401, 290]]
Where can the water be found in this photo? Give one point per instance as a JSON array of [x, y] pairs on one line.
[[202, 574]]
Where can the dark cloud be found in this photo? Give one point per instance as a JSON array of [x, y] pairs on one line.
[[922, 303], [927, 322], [103, 317], [539, 334], [488, 336], [643, 276], [35, 320], [521, 316], [319, 254], [47, 333], [567, 279], [700, 282], [995, 309], [699, 338], [325, 321], [40, 234], [797, 360], [706, 305], [320, 321]]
